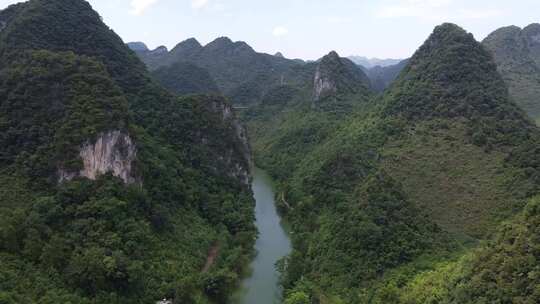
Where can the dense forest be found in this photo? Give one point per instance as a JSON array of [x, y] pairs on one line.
[[391, 199], [125, 172], [175, 185]]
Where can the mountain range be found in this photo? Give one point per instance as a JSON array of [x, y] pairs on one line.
[[113, 189], [369, 63], [125, 172], [402, 187]]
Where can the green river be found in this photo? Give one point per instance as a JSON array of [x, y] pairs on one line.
[[261, 286]]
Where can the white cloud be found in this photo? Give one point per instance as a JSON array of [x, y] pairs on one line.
[[139, 6], [280, 31], [198, 4]]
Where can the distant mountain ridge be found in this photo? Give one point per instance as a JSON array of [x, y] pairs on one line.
[[382, 77], [373, 62], [517, 54], [241, 73]]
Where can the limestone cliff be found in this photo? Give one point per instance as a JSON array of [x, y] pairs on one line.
[[335, 75], [238, 157], [112, 152], [322, 85]]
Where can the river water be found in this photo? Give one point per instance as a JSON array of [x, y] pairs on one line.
[[261, 287]]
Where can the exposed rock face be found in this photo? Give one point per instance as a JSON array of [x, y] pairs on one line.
[[2, 25], [240, 169], [113, 152], [322, 85]]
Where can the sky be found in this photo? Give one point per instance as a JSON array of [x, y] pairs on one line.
[[308, 29]]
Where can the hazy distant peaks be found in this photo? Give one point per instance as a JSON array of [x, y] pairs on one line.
[[225, 43], [372, 62], [533, 28], [188, 43], [141, 47]]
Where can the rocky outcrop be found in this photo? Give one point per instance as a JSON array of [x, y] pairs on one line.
[[112, 152], [322, 85], [239, 168], [3, 25]]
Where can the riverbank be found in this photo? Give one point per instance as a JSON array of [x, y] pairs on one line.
[[273, 243]]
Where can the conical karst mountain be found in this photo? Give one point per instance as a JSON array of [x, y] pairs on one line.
[[117, 188], [451, 96], [185, 50], [443, 156], [335, 75], [517, 54]]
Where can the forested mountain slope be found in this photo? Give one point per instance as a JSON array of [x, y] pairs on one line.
[[242, 74], [517, 54], [436, 163], [382, 77], [186, 78], [294, 119], [113, 190]]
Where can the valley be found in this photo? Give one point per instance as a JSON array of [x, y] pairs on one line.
[[272, 245], [214, 173]]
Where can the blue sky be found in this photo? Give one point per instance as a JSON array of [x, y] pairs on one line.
[[309, 29]]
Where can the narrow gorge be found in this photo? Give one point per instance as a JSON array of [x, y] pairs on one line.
[[262, 284]]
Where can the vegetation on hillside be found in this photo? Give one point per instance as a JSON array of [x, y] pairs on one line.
[[64, 79], [185, 78], [518, 60], [407, 183], [240, 73]]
